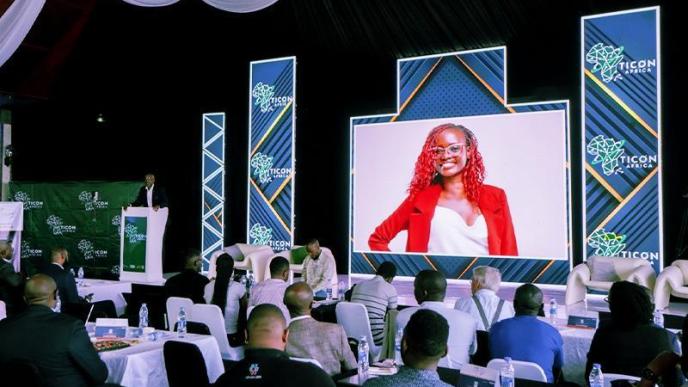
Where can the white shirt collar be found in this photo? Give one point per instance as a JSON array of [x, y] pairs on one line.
[[7, 260], [55, 263], [485, 291], [305, 316], [151, 187]]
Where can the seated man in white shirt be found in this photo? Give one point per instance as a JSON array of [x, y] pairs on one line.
[[378, 295], [319, 269], [271, 291], [485, 306], [429, 288]]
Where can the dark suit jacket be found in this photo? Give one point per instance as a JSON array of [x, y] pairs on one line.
[[66, 285], [11, 288], [56, 343], [159, 197], [187, 284]]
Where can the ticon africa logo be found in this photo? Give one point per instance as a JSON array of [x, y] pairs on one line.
[[91, 201], [260, 235], [606, 151], [28, 251], [607, 244], [261, 164], [21, 196], [89, 252], [116, 221], [605, 60], [57, 226], [265, 98], [133, 234], [608, 61]]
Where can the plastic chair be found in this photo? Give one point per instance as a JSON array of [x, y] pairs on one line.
[[185, 365], [522, 369], [3, 310], [172, 306], [212, 316], [609, 378], [354, 318]]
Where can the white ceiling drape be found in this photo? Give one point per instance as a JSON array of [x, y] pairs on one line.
[[240, 6], [151, 3], [15, 23]]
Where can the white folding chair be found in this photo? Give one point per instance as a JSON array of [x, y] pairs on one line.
[[249, 309], [212, 316], [3, 310], [522, 369], [354, 318], [609, 378], [306, 360], [172, 306]]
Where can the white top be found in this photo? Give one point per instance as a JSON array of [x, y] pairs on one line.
[[449, 234], [270, 291], [320, 273], [489, 300], [462, 336], [149, 195], [235, 291]]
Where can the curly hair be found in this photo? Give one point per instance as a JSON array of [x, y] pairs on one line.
[[424, 173]]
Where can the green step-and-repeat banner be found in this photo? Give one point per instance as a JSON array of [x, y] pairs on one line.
[[83, 217]]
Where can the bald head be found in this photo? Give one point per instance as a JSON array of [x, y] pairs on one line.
[[267, 328], [299, 299], [429, 285], [5, 250], [527, 300], [40, 290]]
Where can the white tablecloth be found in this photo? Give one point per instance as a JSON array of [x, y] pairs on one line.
[[144, 365], [106, 290]]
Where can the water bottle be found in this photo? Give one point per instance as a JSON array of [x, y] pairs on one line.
[[506, 374], [658, 318], [181, 323], [143, 316], [553, 307], [397, 347], [80, 275], [363, 359], [341, 291], [71, 270], [596, 378]]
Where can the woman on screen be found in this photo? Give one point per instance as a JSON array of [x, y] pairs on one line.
[[448, 209]]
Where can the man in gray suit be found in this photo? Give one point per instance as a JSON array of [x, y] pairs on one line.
[[325, 342]]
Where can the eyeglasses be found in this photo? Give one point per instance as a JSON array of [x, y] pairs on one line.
[[451, 150]]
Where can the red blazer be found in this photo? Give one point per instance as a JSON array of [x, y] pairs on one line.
[[415, 216]]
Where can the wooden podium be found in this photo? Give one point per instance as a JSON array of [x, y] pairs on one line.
[[141, 234]]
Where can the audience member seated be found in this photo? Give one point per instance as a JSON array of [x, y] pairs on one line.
[[429, 288], [266, 363], [227, 294], [378, 295], [662, 369], [526, 338], [319, 269], [57, 344], [485, 306], [308, 338], [271, 291], [189, 283], [630, 340], [66, 285], [423, 345], [10, 281]]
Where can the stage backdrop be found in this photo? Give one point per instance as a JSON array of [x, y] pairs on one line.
[[621, 131], [83, 217], [271, 153], [451, 86]]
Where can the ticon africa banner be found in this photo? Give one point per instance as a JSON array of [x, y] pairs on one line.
[[521, 218], [271, 153], [83, 217], [134, 255], [621, 131]]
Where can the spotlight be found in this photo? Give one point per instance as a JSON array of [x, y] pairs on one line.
[[100, 118]]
